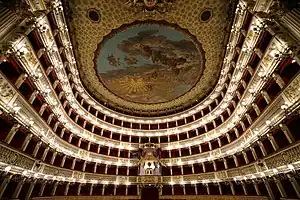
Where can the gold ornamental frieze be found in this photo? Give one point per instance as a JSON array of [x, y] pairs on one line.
[[291, 94], [6, 91], [149, 179]]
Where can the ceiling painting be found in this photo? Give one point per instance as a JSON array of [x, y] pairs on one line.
[[149, 62], [144, 85]]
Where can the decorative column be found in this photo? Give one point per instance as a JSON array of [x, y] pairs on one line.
[[294, 184], [12, 133], [270, 192], [215, 166], [200, 149], [40, 52], [243, 126], [278, 80], [236, 132], [91, 189], [26, 141], [18, 189], [256, 188], [203, 167], [20, 80], [219, 142], [67, 189], [95, 169], [228, 137], [280, 187], [244, 188], [29, 192], [126, 190], [249, 118], [235, 160], [105, 171], [138, 190], [228, 111], [287, 133], [245, 157], [254, 153], [4, 184], [45, 153], [209, 145], [172, 187], [225, 163], [79, 189], [33, 96], [238, 94], [244, 84], [42, 188], [220, 189], [103, 190], [273, 142], [63, 161], [84, 166], [50, 118], [36, 148], [76, 119], [262, 148], [233, 103], [184, 191], [222, 119], [70, 137], [55, 126], [266, 96], [207, 189], [256, 109], [54, 189], [42, 109], [73, 163], [49, 70], [53, 157], [55, 84], [79, 142], [232, 188], [60, 95], [89, 146], [250, 70]]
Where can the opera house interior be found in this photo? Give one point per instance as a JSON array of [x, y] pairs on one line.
[[213, 112]]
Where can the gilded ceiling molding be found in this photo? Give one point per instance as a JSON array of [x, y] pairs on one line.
[[173, 16], [68, 47], [30, 58]]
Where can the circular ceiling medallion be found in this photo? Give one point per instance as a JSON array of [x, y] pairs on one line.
[[149, 63], [206, 15], [94, 15]]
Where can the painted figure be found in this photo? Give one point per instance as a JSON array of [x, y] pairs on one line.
[[113, 61]]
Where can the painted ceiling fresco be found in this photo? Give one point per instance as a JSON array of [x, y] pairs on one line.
[[90, 33], [149, 62]]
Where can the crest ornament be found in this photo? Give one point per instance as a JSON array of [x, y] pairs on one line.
[[151, 6]]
